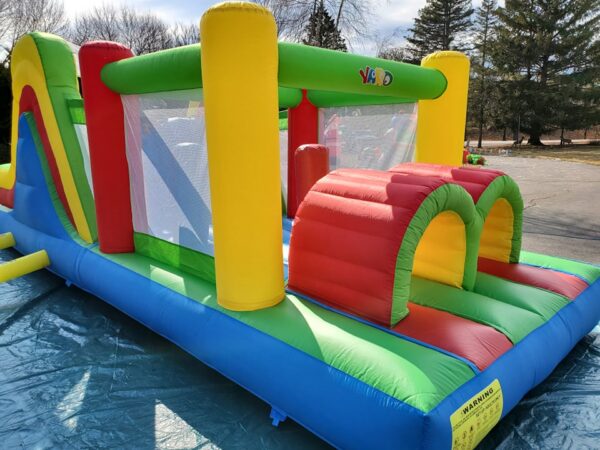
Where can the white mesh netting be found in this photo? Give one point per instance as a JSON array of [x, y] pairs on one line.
[[168, 167], [82, 137], [373, 137]]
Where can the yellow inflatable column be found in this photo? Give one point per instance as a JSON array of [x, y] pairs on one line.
[[239, 78], [441, 122], [6, 241], [23, 265]]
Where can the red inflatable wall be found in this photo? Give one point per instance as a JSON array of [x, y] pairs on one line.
[[311, 163], [106, 134], [303, 128]]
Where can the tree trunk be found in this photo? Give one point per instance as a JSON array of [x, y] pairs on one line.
[[504, 134], [562, 136], [483, 96], [535, 134], [534, 139], [339, 14]]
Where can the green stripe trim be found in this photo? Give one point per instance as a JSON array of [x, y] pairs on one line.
[[61, 79], [588, 272], [414, 374], [514, 322], [186, 259], [58, 206], [505, 187], [539, 301], [447, 197]]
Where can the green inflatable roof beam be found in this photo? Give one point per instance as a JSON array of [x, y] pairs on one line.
[[332, 78], [313, 68], [175, 69], [155, 73], [289, 98]]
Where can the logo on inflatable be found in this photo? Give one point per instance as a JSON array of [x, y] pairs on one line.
[[376, 76]]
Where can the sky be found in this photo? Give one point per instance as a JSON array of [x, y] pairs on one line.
[[388, 14]]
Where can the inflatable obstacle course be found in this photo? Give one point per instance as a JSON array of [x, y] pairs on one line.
[[388, 304]]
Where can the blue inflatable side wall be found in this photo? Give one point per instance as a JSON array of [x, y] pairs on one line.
[[333, 405]]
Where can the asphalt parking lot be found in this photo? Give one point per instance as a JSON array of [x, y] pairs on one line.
[[562, 205]]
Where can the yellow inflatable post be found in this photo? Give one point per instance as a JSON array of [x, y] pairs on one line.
[[239, 78], [441, 122], [6, 241], [23, 265]]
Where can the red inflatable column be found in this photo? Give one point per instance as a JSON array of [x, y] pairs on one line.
[[303, 128], [312, 163], [106, 135]]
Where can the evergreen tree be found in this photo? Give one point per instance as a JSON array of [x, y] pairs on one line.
[[440, 25], [321, 30], [546, 54], [485, 20]]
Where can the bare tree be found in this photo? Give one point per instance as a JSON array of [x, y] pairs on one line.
[[394, 54], [391, 46], [352, 17], [101, 23], [4, 17], [142, 32], [25, 16], [290, 15], [183, 34]]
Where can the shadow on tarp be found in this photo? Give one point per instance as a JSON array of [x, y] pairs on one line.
[[77, 373]]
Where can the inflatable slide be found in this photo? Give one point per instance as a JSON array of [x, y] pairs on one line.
[[296, 218]]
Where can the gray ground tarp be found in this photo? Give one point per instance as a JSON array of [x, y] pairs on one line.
[[76, 373]]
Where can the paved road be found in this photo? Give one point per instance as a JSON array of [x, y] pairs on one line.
[[508, 142], [562, 205]]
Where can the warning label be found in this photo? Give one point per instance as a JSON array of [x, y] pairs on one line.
[[473, 420]]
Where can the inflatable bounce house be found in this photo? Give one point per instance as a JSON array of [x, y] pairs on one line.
[[296, 218]]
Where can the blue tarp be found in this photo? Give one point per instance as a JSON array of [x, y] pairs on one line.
[[77, 373]]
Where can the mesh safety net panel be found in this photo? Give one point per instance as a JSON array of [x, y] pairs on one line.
[[82, 137], [373, 137], [168, 167]]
